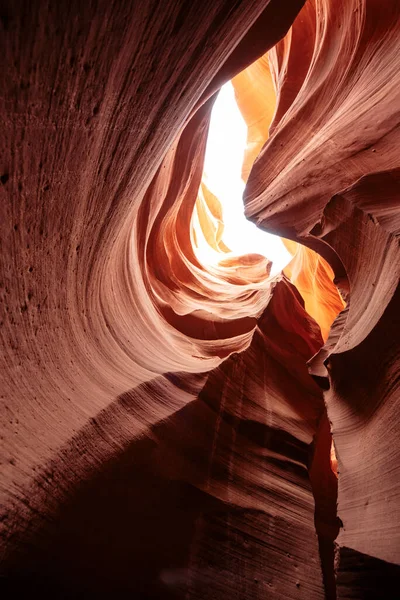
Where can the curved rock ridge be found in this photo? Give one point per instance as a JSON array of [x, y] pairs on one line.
[[256, 96], [213, 498], [214, 308], [314, 278], [328, 177], [93, 106], [161, 434]]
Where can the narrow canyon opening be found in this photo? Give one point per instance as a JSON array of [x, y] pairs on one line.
[[222, 179], [232, 145], [167, 399]]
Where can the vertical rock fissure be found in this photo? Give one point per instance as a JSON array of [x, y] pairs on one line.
[[325, 490]]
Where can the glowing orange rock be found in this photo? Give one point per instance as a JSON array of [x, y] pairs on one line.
[[256, 98], [161, 435]]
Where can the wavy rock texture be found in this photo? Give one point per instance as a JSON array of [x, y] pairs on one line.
[[328, 177], [311, 274], [161, 434]]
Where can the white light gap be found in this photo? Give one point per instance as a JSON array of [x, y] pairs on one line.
[[226, 144]]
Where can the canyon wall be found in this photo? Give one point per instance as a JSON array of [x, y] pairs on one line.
[[166, 425]]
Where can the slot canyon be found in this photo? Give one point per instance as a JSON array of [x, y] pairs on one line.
[[180, 420]]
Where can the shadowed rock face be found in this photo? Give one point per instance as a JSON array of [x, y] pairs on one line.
[[165, 425]]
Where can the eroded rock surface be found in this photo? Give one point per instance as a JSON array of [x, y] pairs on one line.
[[161, 434]]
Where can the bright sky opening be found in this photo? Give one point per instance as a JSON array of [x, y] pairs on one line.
[[223, 165]]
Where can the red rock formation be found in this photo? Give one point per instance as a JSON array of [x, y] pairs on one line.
[[328, 177], [311, 274], [161, 435]]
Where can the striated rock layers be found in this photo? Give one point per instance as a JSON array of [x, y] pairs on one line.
[[166, 425]]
